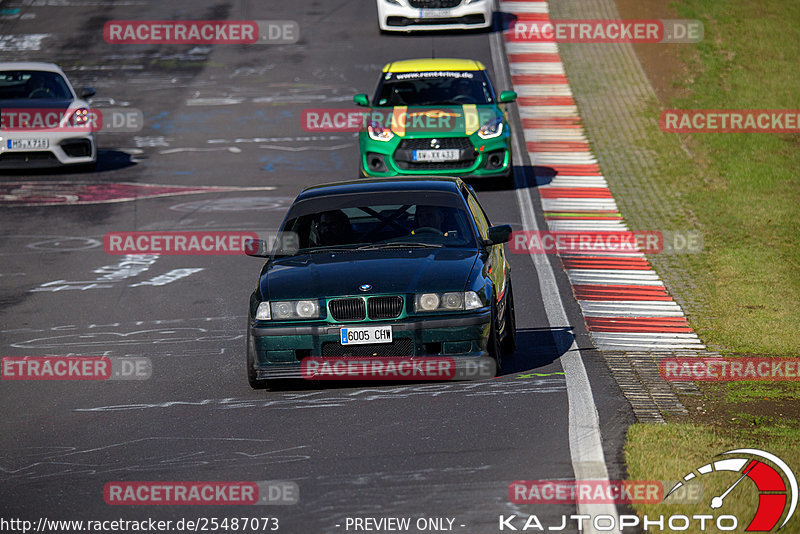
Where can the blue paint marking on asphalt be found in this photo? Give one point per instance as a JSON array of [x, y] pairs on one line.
[[300, 162], [338, 162]]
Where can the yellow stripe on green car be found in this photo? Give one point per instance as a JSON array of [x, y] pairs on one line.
[[427, 65]]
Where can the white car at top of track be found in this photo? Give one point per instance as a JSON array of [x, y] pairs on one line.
[[409, 15], [45, 123]]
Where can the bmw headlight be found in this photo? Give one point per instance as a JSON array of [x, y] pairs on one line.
[[453, 300], [262, 313], [491, 129], [426, 302], [288, 309], [378, 132], [394, 2], [472, 300]]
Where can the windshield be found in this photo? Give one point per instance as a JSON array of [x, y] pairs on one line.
[[37, 85], [371, 226], [433, 88]]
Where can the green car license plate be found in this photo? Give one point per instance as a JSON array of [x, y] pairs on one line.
[[435, 155], [366, 334]]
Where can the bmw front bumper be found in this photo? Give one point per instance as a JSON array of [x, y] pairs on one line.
[[279, 349]]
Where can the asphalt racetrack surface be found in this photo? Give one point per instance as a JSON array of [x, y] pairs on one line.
[[230, 117]]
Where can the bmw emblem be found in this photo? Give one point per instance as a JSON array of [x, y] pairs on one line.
[[365, 287]]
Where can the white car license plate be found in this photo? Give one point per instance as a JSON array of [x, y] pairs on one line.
[[363, 335], [27, 144], [435, 155], [433, 13]]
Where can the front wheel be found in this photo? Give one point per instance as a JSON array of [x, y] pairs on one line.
[[252, 374], [495, 351], [509, 343]]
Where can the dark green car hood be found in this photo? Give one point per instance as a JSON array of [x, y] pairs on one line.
[[325, 274]]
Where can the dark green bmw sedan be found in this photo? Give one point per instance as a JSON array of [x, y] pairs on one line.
[[376, 268]]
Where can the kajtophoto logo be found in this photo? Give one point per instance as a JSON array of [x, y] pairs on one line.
[[775, 499], [774, 481]]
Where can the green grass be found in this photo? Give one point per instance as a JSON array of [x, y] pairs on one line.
[[668, 452], [744, 188], [740, 392]]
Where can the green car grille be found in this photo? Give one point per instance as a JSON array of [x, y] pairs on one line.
[[354, 309], [403, 156], [399, 347]]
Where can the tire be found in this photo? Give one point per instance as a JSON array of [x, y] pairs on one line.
[[509, 343], [493, 346], [254, 382], [507, 180]]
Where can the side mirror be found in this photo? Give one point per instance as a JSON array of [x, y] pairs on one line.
[[87, 92], [497, 235], [507, 96], [362, 100], [256, 248]]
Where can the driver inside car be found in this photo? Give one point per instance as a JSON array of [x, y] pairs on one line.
[[40, 86], [334, 228], [429, 217]]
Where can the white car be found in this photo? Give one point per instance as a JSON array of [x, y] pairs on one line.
[[408, 15], [44, 122]]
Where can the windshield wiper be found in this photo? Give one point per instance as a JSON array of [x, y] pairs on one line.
[[400, 244], [329, 248]]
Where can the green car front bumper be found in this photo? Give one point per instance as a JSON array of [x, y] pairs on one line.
[[479, 158], [278, 349]]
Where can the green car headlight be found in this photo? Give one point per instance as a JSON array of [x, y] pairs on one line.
[[426, 302], [262, 313], [472, 301], [378, 132], [491, 129], [461, 300], [288, 309]]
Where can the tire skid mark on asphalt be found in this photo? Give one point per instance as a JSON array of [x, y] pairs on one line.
[[158, 336], [154, 453], [68, 193], [151, 322], [576, 196], [328, 399]]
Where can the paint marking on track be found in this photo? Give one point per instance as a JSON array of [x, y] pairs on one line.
[[585, 442], [555, 138]]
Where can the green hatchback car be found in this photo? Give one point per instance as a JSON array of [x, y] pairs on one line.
[[436, 117], [405, 268]]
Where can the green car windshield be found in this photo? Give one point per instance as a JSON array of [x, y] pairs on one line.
[[359, 225], [433, 88]]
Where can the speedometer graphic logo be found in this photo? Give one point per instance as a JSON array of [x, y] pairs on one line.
[[777, 488]]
